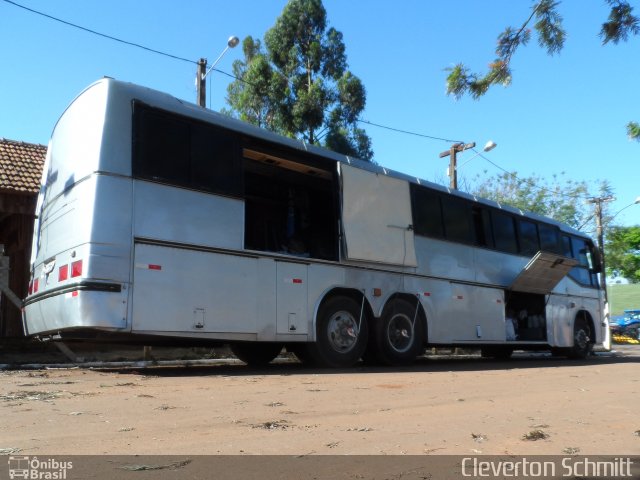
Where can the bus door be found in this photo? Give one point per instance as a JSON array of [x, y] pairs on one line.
[[376, 216]]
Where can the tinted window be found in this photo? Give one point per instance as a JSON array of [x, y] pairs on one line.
[[566, 246], [457, 220], [580, 275], [185, 152], [504, 232], [161, 147], [427, 212], [482, 227], [580, 251], [213, 160], [549, 238], [528, 237]]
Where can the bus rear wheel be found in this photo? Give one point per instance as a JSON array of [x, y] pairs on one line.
[[398, 334], [256, 354], [341, 334]]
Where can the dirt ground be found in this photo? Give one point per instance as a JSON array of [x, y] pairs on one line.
[[532, 404]]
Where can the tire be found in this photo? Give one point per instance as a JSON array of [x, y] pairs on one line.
[[582, 339], [497, 352], [398, 334], [341, 335], [256, 354]]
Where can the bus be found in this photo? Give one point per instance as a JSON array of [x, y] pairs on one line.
[[160, 221]]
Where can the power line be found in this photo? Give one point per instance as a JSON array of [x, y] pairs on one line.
[[431, 137], [104, 35]]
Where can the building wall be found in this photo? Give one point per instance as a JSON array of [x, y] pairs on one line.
[[16, 230]]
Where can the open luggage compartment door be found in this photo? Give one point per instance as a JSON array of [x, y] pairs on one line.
[[543, 272]]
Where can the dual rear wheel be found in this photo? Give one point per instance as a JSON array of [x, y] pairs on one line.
[[344, 336]]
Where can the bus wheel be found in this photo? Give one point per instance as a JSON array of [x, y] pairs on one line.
[[582, 339], [341, 334], [398, 334], [497, 353], [256, 354]]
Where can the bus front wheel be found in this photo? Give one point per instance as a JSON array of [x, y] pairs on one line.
[[341, 333], [582, 339]]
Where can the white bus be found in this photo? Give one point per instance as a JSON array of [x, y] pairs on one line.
[[161, 221]]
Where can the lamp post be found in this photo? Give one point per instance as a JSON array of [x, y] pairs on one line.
[[201, 75], [452, 154]]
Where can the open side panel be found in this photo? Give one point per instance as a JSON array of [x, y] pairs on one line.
[[376, 215], [543, 272]]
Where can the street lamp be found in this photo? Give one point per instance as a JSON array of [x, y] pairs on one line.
[[490, 145], [454, 150], [201, 76]]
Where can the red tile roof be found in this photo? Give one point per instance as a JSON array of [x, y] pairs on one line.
[[21, 166]]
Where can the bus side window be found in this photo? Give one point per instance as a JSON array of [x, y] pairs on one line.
[[566, 246], [549, 238], [161, 147], [457, 220], [427, 212], [504, 232], [528, 236], [482, 227]]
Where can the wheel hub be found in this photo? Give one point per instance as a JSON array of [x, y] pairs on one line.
[[343, 331]]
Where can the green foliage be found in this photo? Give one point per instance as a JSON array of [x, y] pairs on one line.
[[633, 130], [621, 24], [301, 86], [622, 249], [560, 198], [623, 297]]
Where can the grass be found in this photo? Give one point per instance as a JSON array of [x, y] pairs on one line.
[[623, 297]]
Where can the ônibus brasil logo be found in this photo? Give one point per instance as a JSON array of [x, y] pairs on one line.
[[36, 469]]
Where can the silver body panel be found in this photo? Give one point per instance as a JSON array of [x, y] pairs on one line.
[[175, 262]]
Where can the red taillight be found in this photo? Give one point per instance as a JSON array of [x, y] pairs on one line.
[[35, 285], [76, 268], [63, 273], [30, 287]]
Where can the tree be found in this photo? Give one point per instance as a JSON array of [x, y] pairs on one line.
[[301, 86], [560, 198], [622, 247], [621, 24]]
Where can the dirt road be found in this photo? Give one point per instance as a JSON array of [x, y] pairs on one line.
[[437, 406]]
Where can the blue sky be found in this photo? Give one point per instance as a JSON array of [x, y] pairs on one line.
[[565, 113]]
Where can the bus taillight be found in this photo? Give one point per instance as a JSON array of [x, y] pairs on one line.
[[63, 273], [76, 268]]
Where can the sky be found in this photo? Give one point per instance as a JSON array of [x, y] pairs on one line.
[[563, 115]]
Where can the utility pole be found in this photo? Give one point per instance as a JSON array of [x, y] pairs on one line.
[[451, 153], [201, 82], [598, 201]]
